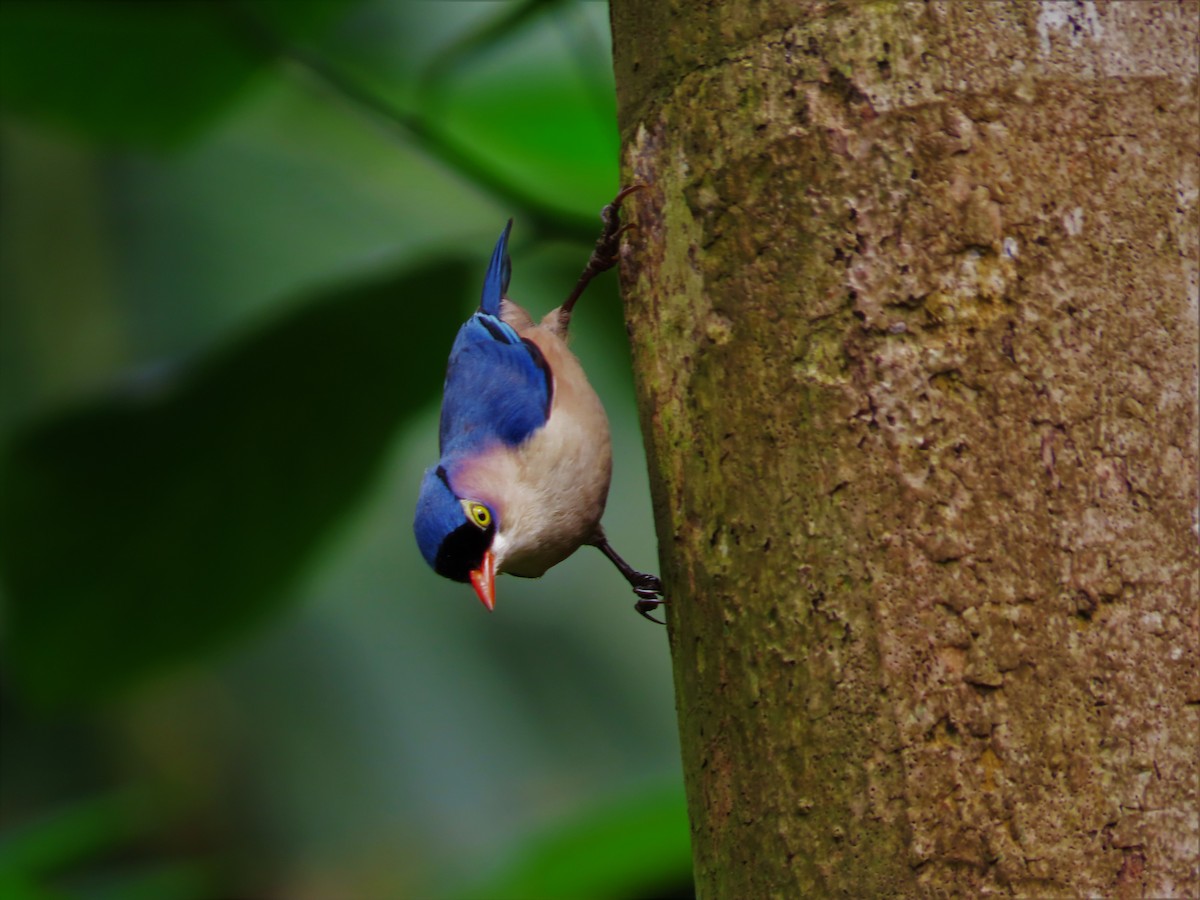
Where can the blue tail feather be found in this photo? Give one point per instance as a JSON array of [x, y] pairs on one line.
[[495, 283]]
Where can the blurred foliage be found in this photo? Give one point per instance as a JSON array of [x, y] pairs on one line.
[[148, 73], [50, 857], [208, 492], [591, 857], [236, 239]]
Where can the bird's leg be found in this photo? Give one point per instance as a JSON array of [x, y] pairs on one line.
[[604, 254], [647, 587]]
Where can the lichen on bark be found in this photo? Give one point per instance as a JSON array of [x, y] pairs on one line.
[[913, 304]]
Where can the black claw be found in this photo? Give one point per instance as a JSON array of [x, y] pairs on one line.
[[650, 589], [605, 253], [607, 250], [644, 607]]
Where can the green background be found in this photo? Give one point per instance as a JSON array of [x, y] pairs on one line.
[[236, 241]]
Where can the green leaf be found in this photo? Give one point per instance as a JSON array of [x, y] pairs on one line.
[[533, 96], [75, 834], [85, 850], [144, 73], [634, 848], [147, 527]]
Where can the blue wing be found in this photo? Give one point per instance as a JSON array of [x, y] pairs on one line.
[[498, 388], [495, 283], [498, 385]]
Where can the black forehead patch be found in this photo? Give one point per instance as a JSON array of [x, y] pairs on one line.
[[461, 551]]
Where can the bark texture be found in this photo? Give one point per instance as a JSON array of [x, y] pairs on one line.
[[913, 303]]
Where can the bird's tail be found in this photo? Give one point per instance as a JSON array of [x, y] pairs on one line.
[[495, 283]]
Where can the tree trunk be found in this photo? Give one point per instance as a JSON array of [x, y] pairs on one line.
[[913, 303]]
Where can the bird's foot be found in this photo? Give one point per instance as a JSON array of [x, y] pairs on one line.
[[608, 245], [649, 588], [605, 253], [646, 586]]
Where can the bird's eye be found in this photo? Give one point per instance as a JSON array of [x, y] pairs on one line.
[[478, 513]]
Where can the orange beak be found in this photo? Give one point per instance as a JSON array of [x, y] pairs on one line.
[[483, 580]]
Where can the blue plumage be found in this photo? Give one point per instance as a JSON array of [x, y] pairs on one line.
[[497, 389], [439, 513], [495, 283], [498, 386]]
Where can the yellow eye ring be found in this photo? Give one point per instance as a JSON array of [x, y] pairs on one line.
[[479, 514]]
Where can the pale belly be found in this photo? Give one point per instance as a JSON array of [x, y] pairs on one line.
[[557, 481]]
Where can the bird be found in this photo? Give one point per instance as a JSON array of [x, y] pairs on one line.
[[525, 456]]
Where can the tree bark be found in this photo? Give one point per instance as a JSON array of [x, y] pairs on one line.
[[913, 304]]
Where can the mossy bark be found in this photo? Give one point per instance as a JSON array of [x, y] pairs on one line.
[[913, 303]]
